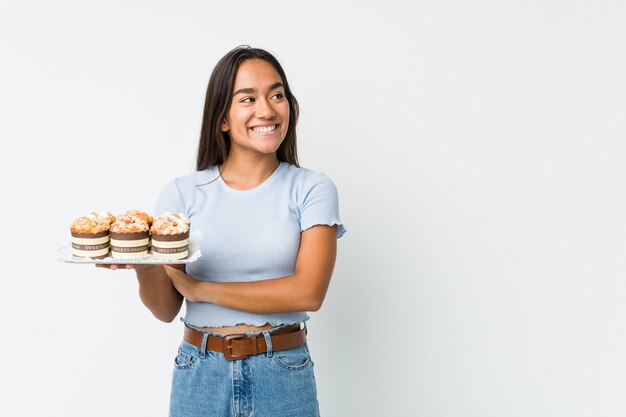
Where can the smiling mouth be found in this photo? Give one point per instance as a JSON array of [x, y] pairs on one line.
[[264, 129]]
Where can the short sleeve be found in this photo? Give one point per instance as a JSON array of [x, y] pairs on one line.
[[321, 205], [169, 200]]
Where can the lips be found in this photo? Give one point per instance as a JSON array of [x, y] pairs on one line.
[[264, 129]]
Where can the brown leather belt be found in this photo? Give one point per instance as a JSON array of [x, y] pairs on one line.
[[240, 346]]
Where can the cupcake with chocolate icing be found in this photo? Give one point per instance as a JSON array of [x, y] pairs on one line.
[[90, 235], [129, 237], [170, 236]]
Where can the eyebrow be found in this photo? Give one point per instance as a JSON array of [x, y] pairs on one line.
[[253, 90]]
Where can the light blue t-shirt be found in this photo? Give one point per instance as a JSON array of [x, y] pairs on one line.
[[249, 235]]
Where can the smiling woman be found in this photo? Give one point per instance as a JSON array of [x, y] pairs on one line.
[[270, 244], [258, 118], [215, 139]]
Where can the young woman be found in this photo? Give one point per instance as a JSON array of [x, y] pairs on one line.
[[270, 230]]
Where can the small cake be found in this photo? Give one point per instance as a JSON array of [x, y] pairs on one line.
[[129, 237], [143, 216], [170, 236], [90, 235], [103, 216]]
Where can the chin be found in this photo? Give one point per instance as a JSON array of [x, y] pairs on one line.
[[268, 148], [266, 151]]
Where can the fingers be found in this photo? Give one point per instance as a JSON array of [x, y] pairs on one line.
[[114, 266], [170, 270], [138, 267]]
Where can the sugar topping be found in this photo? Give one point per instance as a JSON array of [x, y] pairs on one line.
[[90, 224], [143, 216], [170, 224], [129, 224]]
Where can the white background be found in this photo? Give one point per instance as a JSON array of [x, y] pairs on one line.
[[478, 148]]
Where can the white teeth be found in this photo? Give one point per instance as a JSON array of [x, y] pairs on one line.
[[264, 129]]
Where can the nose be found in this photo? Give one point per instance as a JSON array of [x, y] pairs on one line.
[[264, 109]]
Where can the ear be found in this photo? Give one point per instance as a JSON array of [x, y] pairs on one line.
[[224, 126]]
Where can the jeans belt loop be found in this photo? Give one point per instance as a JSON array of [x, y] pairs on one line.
[[268, 342], [240, 345], [205, 337]]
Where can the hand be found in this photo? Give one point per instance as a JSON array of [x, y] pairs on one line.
[[183, 283]]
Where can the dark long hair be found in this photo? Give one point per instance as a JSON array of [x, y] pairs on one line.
[[214, 144]]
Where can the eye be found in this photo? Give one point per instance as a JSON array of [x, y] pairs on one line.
[[278, 96], [247, 100]]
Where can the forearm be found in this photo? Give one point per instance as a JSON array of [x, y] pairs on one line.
[[158, 294], [279, 295], [303, 291]]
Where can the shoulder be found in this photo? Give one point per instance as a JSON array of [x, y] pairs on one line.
[[181, 193], [190, 181], [306, 179], [317, 199], [308, 186], [183, 190]]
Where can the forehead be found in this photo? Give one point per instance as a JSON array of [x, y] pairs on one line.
[[256, 73]]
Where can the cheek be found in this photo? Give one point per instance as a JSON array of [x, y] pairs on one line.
[[285, 117]]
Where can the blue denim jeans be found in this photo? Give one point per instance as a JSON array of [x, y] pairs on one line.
[[271, 384]]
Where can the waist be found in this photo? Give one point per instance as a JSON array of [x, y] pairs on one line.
[[213, 318], [240, 328], [240, 345]]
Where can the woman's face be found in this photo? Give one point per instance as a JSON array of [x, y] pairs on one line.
[[258, 117]]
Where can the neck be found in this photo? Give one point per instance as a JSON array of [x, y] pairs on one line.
[[246, 172]]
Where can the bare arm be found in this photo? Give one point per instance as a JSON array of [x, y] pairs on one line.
[[156, 290], [303, 291]]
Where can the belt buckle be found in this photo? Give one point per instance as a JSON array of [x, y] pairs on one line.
[[227, 347]]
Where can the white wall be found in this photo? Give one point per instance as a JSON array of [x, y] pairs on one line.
[[478, 149]]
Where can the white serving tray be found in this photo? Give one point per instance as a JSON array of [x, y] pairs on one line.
[[64, 253]]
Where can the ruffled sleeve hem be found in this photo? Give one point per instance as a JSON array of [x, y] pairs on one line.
[[340, 227]]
